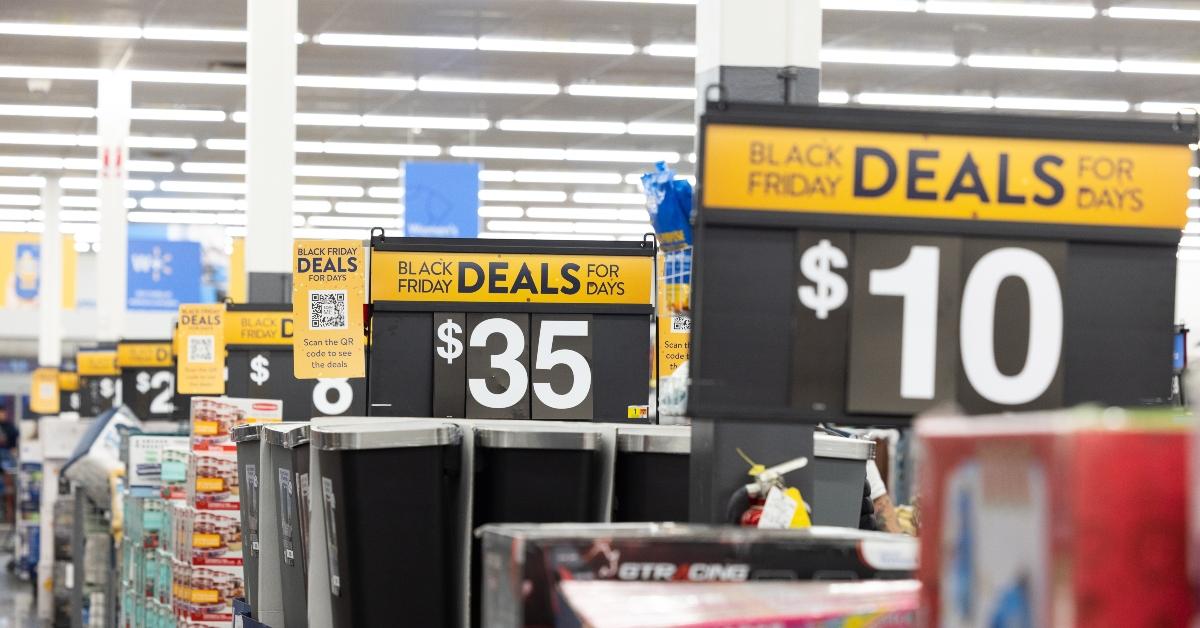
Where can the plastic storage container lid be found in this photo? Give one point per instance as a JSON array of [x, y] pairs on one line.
[[655, 439], [385, 434], [246, 432], [830, 446], [538, 437], [289, 435]]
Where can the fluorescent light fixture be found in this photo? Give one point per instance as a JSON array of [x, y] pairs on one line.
[[151, 141], [331, 234], [925, 100], [185, 218], [91, 201], [613, 227], [1159, 67], [682, 129], [27, 214], [379, 83], [351, 172], [1192, 194], [555, 46], [27, 200], [425, 122], [79, 215], [894, 6], [632, 91], [561, 126], [212, 167], [534, 196], [530, 225], [1011, 9], [308, 206], [1192, 212], [183, 203], [225, 143], [508, 152], [575, 213], [833, 97], [1016, 62], [178, 115], [1152, 13], [353, 221], [487, 87], [888, 57], [634, 215], [22, 182], [645, 156], [97, 31], [90, 183], [187, 78], [376, 148], [328, 119], [13, 227], [195, 34], [336, 191], [366, 207], [203, 187], [47, 111], [49, 72], [395, 41], [566, 176], [670, 50], [1194, 171], [385, 192], [497, 176], [609, 198], [1171, 108], [491, 211], [1062, 104], [685, 2], [39, 139]]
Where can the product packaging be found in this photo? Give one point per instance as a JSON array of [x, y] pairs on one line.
[[607, 604], [524, 564], [1055, 519]]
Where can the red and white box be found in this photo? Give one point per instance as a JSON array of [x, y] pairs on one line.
[[1055, 519]]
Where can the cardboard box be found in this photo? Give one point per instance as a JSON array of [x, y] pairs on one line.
[[1067, 519], [523, 564]]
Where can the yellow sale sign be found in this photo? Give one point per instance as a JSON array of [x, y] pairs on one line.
[[201, 359], [43, 399], [328, 290]]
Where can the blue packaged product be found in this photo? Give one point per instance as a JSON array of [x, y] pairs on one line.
[[669, 201]]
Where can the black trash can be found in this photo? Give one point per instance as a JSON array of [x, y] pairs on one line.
[[531, 473], [247, 437], [287, 446], [650, 481], [389, 489]]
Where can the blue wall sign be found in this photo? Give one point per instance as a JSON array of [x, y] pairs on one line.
[[162, 274], [441, 200]]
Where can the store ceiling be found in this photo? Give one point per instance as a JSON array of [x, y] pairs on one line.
[[955, 37]]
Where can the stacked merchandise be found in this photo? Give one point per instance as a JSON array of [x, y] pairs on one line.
[[1067, 519], [155, 469], [208, 541], [28, 517]]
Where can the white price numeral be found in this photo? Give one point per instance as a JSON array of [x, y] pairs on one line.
[[161, 404], [320, 396], [916, 281], [547, 358]]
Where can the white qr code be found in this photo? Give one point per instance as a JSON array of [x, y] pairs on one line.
[[200, 348], [327, 309]]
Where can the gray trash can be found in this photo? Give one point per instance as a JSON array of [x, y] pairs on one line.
[[287, 445], [650, 481], [839, 475], [531, 473], [247, 437], [391, 510]]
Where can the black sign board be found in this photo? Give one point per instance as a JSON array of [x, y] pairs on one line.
[[862, 266]]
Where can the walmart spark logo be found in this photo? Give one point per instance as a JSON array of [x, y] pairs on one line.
[[156, 263]]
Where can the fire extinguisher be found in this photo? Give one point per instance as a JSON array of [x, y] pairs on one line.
[[745, 506]]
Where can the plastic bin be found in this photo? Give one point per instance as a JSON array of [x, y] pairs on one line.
[[287, 448], [389, 491], [650, 481], [248, 442], [839, 475]]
